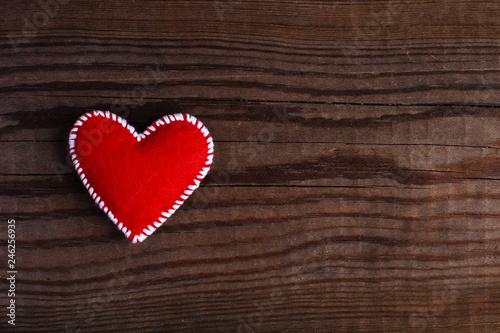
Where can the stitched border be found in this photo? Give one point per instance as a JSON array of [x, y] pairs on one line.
[[140, 136]]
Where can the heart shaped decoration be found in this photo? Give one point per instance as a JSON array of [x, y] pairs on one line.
[[140, 179]]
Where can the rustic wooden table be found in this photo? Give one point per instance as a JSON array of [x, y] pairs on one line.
[[355, 186]]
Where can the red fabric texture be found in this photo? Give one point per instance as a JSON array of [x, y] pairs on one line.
[[140, 178]]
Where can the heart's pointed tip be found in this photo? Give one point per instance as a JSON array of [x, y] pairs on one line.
[[134, 240], [138, 238]]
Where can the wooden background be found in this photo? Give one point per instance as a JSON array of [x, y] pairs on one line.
[[355, 186]]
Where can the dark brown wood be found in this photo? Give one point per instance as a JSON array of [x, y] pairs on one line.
[[355, 180]]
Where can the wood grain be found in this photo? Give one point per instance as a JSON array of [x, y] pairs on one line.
[[392, 51], [354, 185]]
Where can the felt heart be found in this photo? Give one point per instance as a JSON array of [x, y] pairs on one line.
[[140, 180]]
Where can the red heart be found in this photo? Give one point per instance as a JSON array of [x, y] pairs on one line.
[[140, 180]]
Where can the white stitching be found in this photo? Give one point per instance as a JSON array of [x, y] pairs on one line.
[[163, 121], [209, 159]]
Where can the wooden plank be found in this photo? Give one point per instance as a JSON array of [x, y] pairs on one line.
[[296, 163], [317, 252], [338, 51], [279, 122]]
